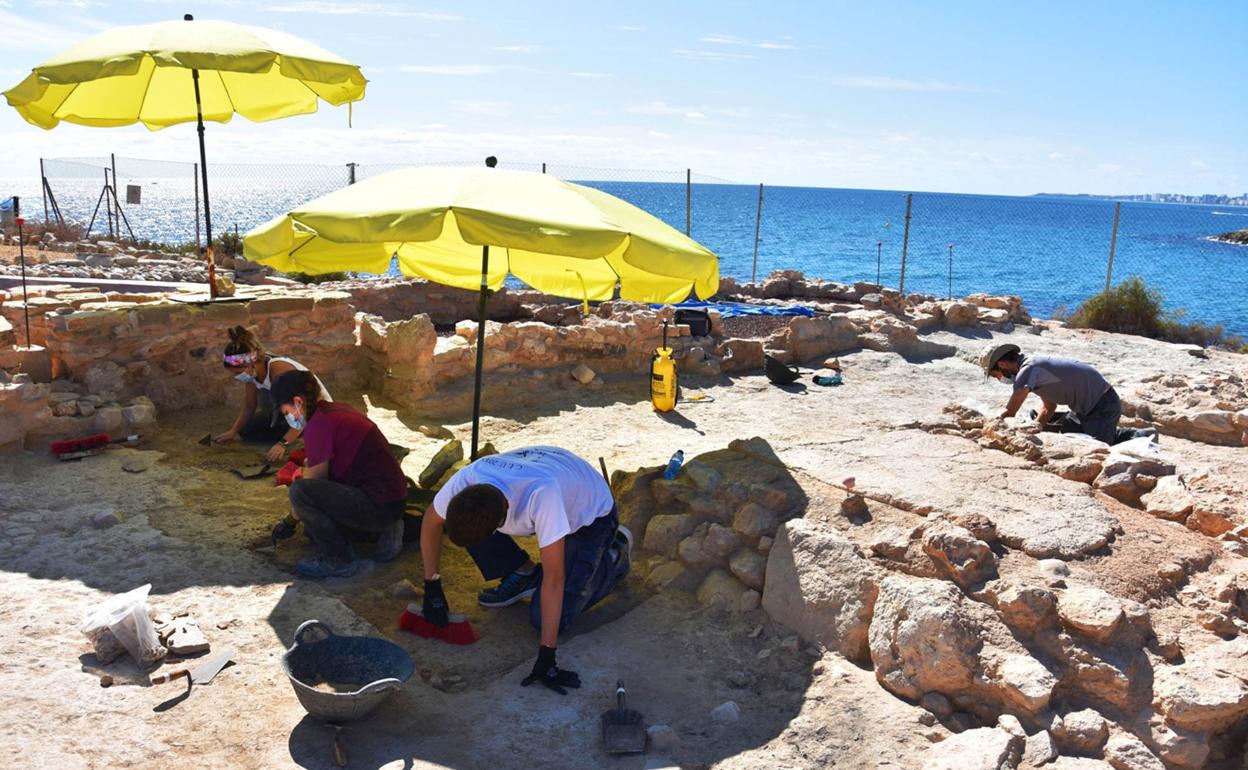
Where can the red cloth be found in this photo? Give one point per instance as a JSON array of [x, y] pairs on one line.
[[356, 451]]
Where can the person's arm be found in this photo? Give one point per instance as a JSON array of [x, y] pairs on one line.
[[278, 450], [1047, 409], [244, 414], [552, 591], [431, 526], [1016, 401], [318, 471]]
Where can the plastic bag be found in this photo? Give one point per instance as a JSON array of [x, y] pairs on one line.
[[125, 618]]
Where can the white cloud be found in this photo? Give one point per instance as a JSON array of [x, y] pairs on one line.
[[686, 53], [718, 39], [590, 75], [80, 5], [1057, 156], [1109, 168], [23, 34], [886, 83], [1200, 165], [660, 108], [520, 48], [452, 69], [657, 134], [629, 28], [331, 8]]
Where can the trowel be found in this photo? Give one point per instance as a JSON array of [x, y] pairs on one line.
[[623, 729], [203, 673], [254, 471]]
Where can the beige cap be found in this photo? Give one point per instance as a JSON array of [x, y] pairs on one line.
[[993, 354]]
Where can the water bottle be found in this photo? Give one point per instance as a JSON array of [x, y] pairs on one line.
[[673, 465]]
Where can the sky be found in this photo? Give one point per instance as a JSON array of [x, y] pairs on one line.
[[975, 97]]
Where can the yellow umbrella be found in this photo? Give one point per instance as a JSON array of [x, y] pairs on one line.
[[561, 238], [174, 72]]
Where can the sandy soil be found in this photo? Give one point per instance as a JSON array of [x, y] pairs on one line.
[[189, 527]]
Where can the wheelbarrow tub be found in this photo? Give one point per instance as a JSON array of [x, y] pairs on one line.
[[378, 666]]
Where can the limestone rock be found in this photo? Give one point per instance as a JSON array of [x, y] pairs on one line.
[[754, 520], [1040, 749], [450, 453], [1082, 732], [750, 567], [708, 545], [662, 737], [665, 532], [721, 589], [726, 712], [984, 748], [1090, 612], [1027, 609], [1169, 499], [1126, 752], [965, 559], [1208, 691], [583, 374], [920, 639], [820, 585]]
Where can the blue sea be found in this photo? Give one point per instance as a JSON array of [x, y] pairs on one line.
[[1052, 251]]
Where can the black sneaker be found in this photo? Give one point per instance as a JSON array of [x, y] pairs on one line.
[[623, 548], [511, 589]]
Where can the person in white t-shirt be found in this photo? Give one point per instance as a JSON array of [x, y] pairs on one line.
[[543, 491]]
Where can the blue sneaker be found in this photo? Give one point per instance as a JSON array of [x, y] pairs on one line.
[[512, 589], [321, 567]]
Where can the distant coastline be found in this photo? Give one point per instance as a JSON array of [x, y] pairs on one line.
[[1202, 200]]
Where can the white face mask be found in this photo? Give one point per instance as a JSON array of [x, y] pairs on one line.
[[296, 421], [244, 377]]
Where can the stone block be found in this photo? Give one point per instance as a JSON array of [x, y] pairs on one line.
[[290, 303], [665, 532], [721, 589]]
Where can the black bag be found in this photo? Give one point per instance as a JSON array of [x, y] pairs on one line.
[[698, 321], [780, 373]]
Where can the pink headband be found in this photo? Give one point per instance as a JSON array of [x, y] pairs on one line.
[[240, 359]]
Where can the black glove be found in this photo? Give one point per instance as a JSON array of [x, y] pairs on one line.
[[284, 529], [546, 672], [434, 607]]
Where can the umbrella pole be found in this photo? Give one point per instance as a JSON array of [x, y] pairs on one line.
[[21, 256], [203, 168], [476, 389]]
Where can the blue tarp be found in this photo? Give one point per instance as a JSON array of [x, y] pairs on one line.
[[735, 309]]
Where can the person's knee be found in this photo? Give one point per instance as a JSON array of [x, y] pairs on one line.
[[303, 495]]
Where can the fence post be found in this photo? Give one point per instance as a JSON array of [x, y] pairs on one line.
[[195, 184], [879, 249], [43, 182], [350, 174], [758, 221], [951, 271], [905, 245], [543, 168], [1113, 241], [688, 199]]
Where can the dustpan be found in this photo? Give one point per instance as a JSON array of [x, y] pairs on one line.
[[623, 730]]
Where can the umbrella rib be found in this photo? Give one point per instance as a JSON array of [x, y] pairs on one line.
[[225, 89], [146, 87]]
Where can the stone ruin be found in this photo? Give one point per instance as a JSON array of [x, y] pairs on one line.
[[98, 350]]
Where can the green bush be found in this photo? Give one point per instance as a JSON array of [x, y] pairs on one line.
[[1133, 308]]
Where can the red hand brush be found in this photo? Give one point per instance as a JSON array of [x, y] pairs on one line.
[[458, 631], [73, 448]]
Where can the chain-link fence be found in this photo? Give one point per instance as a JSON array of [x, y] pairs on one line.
[[1052, 251]]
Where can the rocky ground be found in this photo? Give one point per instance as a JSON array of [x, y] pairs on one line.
[[949, 590]]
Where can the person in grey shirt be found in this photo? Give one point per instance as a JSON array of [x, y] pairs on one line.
[[1094, 407]]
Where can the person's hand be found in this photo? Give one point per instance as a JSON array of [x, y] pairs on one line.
[[550, 675], [224, 438], [434, 608], [275, 453], [284, 529]]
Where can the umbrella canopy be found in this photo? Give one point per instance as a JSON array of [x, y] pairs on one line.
[[560, 238], [142, 74], [470, 227], [175, 72]]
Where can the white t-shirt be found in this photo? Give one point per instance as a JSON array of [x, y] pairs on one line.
[[550, 492]]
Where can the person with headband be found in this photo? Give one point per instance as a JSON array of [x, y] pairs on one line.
[[257, 370], [352, 484]]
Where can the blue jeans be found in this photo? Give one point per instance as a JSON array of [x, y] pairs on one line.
[[589, 571]]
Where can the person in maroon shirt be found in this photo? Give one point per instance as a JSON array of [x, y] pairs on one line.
[[352, 482]]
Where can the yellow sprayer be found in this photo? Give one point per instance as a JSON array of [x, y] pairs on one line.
[[663, 377]]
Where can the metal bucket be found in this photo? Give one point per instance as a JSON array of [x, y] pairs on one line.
[[378, 666]]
